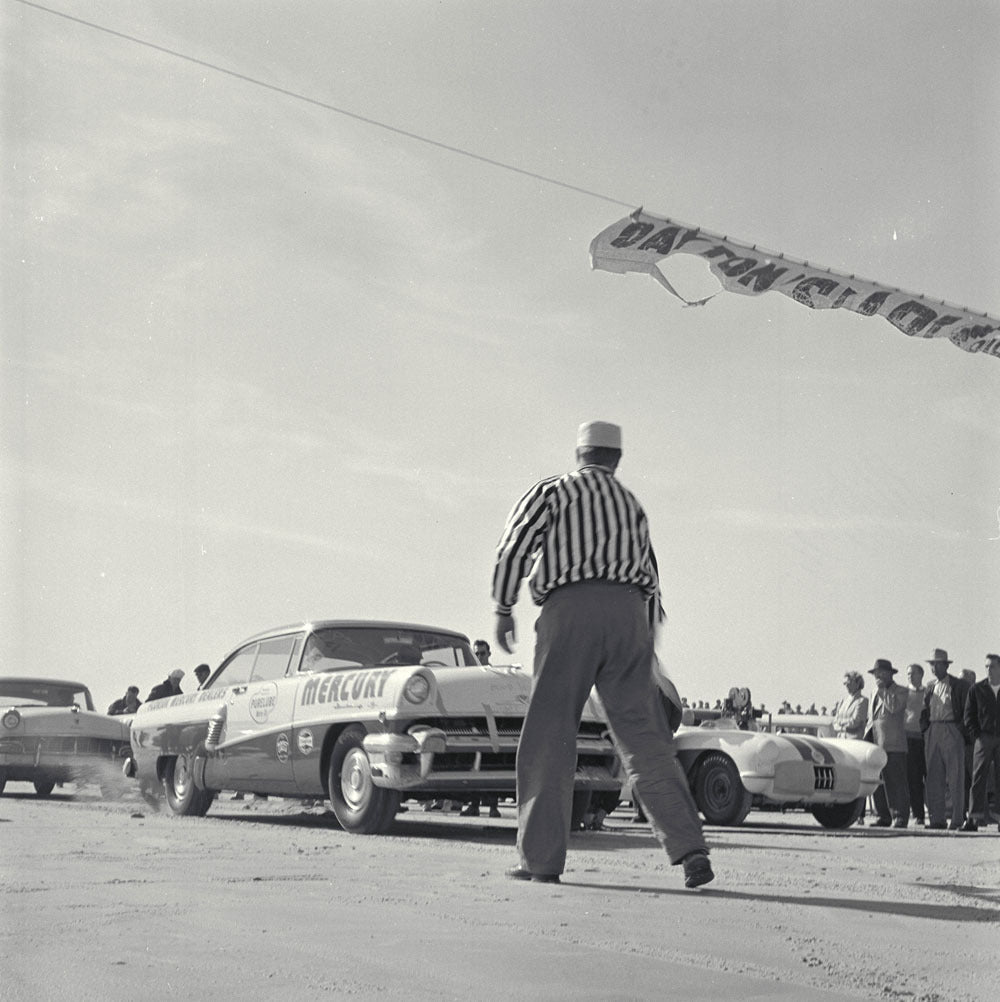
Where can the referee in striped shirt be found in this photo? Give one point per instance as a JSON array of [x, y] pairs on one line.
[[582, 540]]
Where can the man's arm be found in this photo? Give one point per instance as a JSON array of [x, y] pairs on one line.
[[522, 533], [971, 717]]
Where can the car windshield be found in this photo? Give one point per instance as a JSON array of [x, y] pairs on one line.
[[34, 692], [366, 646]]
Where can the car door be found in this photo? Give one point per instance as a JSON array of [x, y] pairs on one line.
[[258, 721]]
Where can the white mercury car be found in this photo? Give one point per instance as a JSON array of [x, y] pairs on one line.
[[362, 712]]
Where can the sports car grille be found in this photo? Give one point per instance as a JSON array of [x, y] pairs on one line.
[[824, 777]]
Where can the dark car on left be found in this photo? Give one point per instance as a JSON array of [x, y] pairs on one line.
[[50, 734]]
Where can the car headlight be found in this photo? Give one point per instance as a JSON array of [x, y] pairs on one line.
[[417, 689], [11, 719], [768, 753]]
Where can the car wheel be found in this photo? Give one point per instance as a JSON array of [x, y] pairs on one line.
[[838, 815], [359, 805], [719, 792], [44, 789], [182, 796]]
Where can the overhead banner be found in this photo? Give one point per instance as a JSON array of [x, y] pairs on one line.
[[640, 241]]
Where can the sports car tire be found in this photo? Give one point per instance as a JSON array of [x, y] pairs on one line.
[[360, 806], [44, 789], [182, 796], [719, 792], [838, 815]]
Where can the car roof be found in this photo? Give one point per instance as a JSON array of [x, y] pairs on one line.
[[43, 681], [323, 624]]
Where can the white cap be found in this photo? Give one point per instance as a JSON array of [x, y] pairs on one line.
[[176, 673], [599, 433]]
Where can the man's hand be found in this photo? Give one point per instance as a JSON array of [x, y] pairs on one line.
[[505, 630]]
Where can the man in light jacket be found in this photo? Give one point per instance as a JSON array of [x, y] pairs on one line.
[[887, 729]]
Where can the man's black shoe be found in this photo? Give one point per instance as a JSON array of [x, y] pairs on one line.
[[881, 823], [969, 826], [697, 869], [520, 873], [937, 826]]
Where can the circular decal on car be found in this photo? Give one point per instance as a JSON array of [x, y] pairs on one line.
[[263, 701], [281, 747], [305, 741]]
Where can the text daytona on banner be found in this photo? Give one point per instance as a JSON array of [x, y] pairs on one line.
[[639, 241]]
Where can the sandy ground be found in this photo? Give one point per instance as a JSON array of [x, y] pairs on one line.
[[261, 900]]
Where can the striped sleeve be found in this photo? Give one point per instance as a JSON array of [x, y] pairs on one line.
[[522, 535]]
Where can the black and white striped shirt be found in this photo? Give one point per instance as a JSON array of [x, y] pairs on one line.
[[579, 526]]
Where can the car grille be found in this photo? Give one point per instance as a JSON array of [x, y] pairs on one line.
[[824, 777], [62, 746], [473, 747]]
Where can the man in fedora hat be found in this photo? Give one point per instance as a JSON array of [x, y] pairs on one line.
[[887, 730], [942, 721], [582, 540]]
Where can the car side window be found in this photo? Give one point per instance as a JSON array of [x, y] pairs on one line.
[[237, 669], [272, 658]]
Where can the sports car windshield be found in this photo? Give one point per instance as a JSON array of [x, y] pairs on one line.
[[29, 692], [364, 647]]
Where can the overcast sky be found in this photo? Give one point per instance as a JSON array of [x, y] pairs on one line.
[[264, 362]]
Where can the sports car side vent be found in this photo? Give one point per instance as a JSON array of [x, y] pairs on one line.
[[823, 777]]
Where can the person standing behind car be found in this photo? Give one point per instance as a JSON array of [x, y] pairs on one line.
[[170, 686], [481, 649], [850, 715], [201, 673], [982, 725], [892, 800], [582, 540], [916, 765], [129, 703]]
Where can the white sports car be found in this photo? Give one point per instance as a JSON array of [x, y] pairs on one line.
[[736, 757]]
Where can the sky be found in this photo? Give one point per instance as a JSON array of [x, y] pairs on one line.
[[267, 357]]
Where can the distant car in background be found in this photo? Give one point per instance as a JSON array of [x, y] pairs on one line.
[[50, 734], [362, 712]]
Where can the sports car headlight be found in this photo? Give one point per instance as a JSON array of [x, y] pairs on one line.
[[11, 719], [417, 688], [768, 753]]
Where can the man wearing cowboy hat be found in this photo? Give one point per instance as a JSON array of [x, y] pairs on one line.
[[582, 540], [886, 728], [942, 721]]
